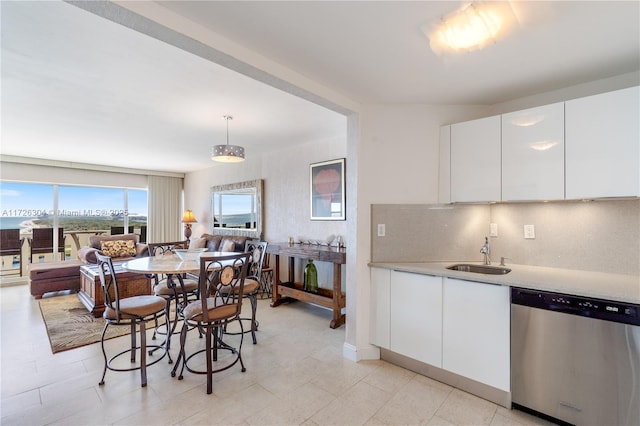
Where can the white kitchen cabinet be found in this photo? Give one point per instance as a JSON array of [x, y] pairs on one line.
[[475, 160], [416, 316], [475, 330], [379, 314], [603, 145], [533, 154], [444, 172]]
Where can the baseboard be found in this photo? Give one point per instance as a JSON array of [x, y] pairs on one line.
[[356, 354], [13, 281], [497, 396]]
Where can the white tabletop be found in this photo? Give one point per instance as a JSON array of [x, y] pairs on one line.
[[171, 264], [167, 264]]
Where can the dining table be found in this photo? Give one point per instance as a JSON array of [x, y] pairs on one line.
[[175, 268], [171, 265]]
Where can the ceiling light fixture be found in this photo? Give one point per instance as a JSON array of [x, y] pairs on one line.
[[471, 27], [543, 145], [227, 153]]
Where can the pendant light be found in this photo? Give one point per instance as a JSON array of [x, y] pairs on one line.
[[227, 153]]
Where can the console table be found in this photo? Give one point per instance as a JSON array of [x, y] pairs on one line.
[[129, 284], [285, 291]]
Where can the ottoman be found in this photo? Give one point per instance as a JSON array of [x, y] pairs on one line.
[[54, 276]]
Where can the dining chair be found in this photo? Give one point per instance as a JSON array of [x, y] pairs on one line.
[[221, 284], [134, 312], [266, 278], [143, 233], [11, 245], [118, 230], [41, 242], [180, 292], [258, 250]]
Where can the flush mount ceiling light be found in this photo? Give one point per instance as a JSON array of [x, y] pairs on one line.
[[227, 153], [471, 27], [543, 145]]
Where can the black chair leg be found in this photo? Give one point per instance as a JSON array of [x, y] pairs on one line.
[[143, 354], [104, 353]]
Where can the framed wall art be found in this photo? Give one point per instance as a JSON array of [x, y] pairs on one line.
[[327, 189]]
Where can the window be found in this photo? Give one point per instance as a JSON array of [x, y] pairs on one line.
[[79, 208], [22, 203]]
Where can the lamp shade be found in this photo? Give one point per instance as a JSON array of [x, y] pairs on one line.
[[189, 217], [227, 153]]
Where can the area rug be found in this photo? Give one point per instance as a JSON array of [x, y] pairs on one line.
[[70, 325]]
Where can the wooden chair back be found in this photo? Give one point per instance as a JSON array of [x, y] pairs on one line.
[[119, 230], [10, 242]]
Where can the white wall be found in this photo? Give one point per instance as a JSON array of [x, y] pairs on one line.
[[285, 198]]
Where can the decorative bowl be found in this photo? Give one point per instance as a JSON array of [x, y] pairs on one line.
[[189, 254]]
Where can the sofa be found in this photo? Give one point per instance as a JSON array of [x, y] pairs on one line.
[[57, 276], [119, 247], [219, 242]]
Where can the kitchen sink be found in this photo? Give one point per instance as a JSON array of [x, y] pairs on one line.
[[480, 269]]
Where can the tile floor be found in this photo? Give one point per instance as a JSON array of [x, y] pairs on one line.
[[295, 375]]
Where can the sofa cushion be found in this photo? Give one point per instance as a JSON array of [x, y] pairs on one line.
[[197, 243], [88, 254], [213, 241], [227, 245], [95, 241], [216, 242], [119, 248]]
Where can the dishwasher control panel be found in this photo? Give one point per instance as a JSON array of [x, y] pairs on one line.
[[626, 313]]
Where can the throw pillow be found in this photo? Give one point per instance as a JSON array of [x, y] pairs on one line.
[[119, 248], [197, 243], [228, 245]]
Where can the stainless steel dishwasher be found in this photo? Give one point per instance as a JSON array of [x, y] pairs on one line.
[[575, 359]]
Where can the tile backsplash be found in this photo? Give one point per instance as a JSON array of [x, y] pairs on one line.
[[602, 235]]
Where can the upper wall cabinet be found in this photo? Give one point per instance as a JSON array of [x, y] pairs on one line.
[[603, 145], [475, 160], [444, 179], [533, 154]]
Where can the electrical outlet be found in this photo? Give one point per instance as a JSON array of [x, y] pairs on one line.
[[493, 229], [381, 230], [529, 232]]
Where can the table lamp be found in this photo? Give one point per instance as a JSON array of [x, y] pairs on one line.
[[188, 219]]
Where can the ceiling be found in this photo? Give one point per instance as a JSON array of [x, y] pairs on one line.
[[80, 88]]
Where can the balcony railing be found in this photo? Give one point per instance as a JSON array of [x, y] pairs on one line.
[[74, 240]]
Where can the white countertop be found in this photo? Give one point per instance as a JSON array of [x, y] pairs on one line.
[[614, 287]]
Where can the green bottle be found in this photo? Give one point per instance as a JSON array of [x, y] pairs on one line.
[[311, 277]]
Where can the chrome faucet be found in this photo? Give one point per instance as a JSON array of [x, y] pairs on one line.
[[486, 250]]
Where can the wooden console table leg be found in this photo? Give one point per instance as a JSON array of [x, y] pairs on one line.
[[275, 296], [338, 317]]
